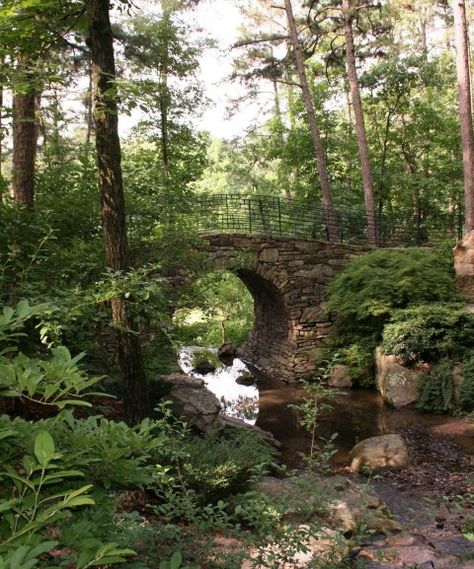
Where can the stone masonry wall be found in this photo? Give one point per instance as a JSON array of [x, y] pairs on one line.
[[288, 279]]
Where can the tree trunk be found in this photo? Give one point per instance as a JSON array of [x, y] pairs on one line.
[[165, 95], [465, 109], [25, 135], [424, 36], [89, 115], [135, 393], [281, 139], [360, 126], [319, 155]]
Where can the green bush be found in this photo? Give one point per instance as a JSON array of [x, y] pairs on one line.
[[466, 393], [221, 464], [437, 389], [360, 359], [373, 285], [428, 333]]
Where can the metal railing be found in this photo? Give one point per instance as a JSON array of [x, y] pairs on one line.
[[275, 216]]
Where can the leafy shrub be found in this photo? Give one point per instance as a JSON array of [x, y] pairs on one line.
[[466, 393], [359, 357], [34, 497], [428, 332], [220, 464], [373, 285], [215, 308], [437, 389], [111, 452]]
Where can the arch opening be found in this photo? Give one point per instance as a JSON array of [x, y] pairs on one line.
[[267, 347], [213, 309]]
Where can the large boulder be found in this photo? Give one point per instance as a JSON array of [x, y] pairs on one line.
[[226, 352], [339, 377], [355, 507], [397, 384], [204, 367], [385, 451], [464, 265], [247, 379], [191, 400], [233, 423]]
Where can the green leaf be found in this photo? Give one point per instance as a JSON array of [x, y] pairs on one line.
[[85, 558], [44, 448], [176, 560], [5, 433], [8, 313], [6, 505], [23, 309], [18, 557]]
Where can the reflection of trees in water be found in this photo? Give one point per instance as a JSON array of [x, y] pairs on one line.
[[244, 407]]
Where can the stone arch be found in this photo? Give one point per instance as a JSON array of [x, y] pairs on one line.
[[268, 340], [288, 279]]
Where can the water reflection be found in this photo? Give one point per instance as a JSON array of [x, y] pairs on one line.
[[239, 401], [355, 415]]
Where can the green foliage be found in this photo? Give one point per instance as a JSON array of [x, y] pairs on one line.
[[110, 452], [316, 399], [216, 308], [466, 393], [221, 464], [373, 285], [35, 495], [373, 288], [428, 333], [32, 510], [437, 390], [56, 381], [360, 360]]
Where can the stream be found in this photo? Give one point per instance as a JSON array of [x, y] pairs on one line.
[[356, 414], [431, 498]]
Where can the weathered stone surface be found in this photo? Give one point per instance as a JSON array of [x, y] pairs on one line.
[[398, 385], [288, 279], [464, 265], [204, 367], [234, 423], [245, 379], [226, 351], [380, 452], [339, 376], [269, 255], [182, 380], [191, 400]]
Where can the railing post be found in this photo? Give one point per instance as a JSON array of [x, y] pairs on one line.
[[226, 212], [279, 217]]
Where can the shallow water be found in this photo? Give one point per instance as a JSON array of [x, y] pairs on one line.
[[356, 414], [237, 400]]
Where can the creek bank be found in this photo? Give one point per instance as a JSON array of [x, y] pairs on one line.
[[193, 402], [430, 498], [410, 517], [409, 521]]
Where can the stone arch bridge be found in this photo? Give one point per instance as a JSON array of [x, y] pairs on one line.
[[288, 278], [279, 248]]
